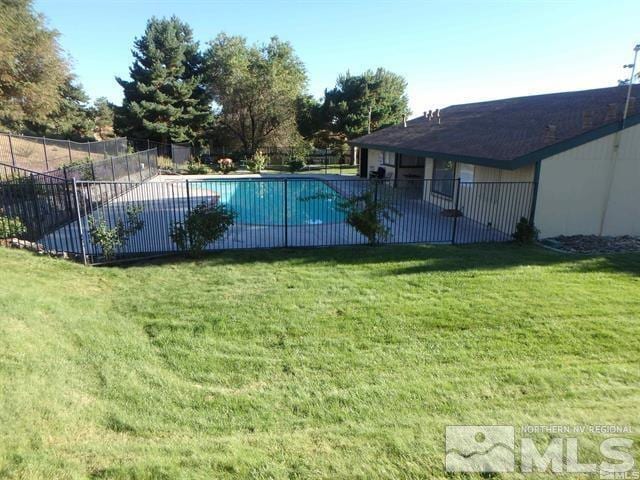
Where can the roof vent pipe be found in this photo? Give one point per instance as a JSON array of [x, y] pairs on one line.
[[404, 120], [429, 115], [550, 133], [437, 115], [425, 114]]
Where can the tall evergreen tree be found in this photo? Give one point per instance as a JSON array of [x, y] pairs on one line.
[[165, 99], [346, 106], [102, 113]]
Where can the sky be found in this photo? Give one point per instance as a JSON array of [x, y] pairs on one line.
[[449, 52]]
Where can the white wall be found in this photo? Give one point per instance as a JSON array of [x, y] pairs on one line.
[[592, 189]]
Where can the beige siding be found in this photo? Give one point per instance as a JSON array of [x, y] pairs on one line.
[[592, 189], [500, 206]]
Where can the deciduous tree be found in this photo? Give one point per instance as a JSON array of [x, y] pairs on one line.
[[255, 89], [33, 70]]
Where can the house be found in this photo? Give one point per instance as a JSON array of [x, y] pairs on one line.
[[574, 147]]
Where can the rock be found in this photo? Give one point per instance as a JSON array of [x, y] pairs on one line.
[[593, 244]]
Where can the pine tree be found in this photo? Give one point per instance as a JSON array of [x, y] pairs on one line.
[[165, 99], [346, 106]]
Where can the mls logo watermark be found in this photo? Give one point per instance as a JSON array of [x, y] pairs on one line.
[[478, 448], [493, 449]]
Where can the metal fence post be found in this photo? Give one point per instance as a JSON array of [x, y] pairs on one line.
[[113, 170], [455, 212], [188, 197], [126, 162], [286, 222], [140, 167], [79, 219], [44, 148], [89, 149], [36, 206], [13, 158], [69, 149], [66, 187]]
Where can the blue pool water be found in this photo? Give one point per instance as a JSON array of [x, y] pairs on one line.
[[262, 202]]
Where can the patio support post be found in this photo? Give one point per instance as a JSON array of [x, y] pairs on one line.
[[456, 185]]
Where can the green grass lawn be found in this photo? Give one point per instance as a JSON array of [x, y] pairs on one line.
[[334, 363]]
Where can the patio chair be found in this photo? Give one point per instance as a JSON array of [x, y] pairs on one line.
[[380, 173]]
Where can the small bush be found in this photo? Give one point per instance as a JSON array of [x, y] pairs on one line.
[[365, 212], [206, 223], [80, 169], [526, 232], [257, 163], [295, 165], [11, 227], [197, 168], [367, 215], [107, 238]]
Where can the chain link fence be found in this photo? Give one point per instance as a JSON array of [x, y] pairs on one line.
[[43, 154]]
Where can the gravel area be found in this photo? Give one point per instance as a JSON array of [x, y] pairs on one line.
[[594, 244]]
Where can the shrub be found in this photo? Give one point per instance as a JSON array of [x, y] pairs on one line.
[[295, 165], [226, 165], [367, 215], [526, 232], [365, 212], [206, 223], [107, 238], [80, 169], [256, 163], [11, 227], [197, 168]]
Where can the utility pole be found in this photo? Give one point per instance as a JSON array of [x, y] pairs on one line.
[[369, 121], [632, 66]]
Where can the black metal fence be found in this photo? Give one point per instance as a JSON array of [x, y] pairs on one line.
[[33, 205], [174, 156], [273, 212], [315, 160], [130, 167]]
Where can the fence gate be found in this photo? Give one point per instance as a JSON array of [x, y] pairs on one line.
[[181, 155]]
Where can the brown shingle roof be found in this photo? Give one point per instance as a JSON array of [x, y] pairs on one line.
[[502, 132]]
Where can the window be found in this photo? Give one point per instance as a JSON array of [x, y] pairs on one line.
[[465, 172], [389, 158], [443, 177]]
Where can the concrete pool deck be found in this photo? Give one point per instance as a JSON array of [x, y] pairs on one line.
[[164, 200]]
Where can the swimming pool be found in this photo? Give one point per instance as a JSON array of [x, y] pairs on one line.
[[262, 202]]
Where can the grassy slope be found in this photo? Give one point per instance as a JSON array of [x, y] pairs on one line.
[[334, 363]]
